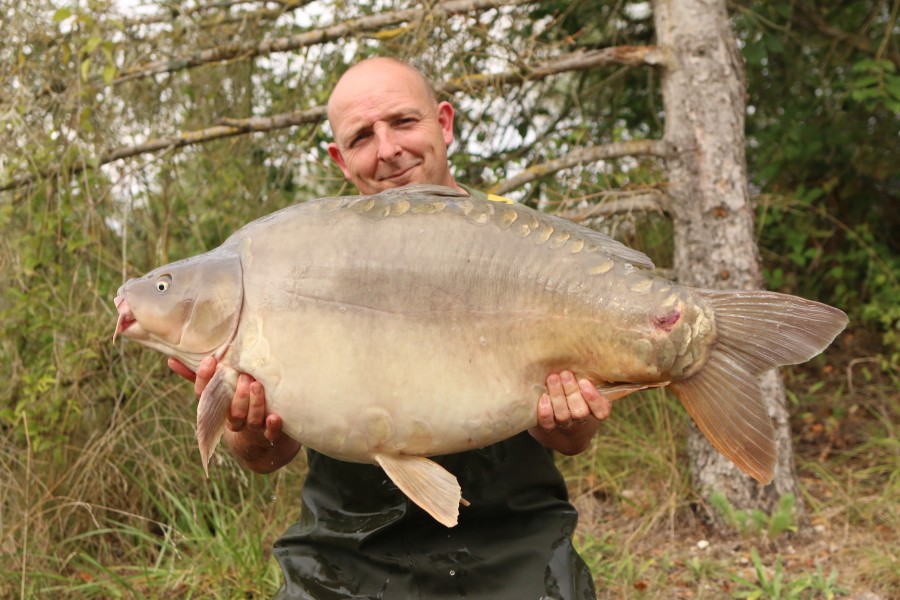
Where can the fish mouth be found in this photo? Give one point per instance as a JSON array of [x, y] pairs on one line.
[[126, 317]]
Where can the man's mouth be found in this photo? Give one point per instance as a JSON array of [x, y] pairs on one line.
[[126, 317], [398, 174]]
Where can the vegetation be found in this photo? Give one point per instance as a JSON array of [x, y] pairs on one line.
[[101, 490]]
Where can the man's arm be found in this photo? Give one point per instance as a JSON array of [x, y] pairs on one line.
[[253, 435]]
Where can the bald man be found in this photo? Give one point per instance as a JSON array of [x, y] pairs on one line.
[[359, 536]]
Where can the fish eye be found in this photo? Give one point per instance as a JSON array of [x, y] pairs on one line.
[[162, 284]]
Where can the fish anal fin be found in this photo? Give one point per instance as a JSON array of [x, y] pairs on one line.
[[212, 411], [620, 390], [434, 489], [725, 401]]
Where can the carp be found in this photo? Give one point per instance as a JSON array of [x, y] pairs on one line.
[[420, 322]]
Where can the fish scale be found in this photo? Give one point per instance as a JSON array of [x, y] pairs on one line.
[[420, 322]]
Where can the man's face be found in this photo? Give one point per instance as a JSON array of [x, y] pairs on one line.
[[388, 129]]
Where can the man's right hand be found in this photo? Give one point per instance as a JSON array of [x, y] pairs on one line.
[[252, 434]]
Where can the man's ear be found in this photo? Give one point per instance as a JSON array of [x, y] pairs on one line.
[[335, 153], [445, 119]]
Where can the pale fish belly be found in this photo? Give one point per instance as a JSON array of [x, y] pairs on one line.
[[403, 386]]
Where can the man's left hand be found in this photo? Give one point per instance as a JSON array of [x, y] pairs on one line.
[[569, 413]]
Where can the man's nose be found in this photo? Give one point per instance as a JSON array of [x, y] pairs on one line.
[[388, 147]]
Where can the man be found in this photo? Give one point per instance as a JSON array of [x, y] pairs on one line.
[[359, 537]]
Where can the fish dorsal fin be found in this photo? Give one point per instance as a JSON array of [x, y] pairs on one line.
[[423, 189], [423, 198], [605, 244], [434, 489], [212, 411], [602, 242]]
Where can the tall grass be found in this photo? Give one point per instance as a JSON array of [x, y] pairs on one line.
[[128, 511]]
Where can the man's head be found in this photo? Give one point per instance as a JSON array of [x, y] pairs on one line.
[[389, 129]]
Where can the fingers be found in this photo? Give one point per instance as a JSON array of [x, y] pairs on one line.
[[249, 412], [205, 371], [273, 428], [570, 402], [599, 405], [181, 369]]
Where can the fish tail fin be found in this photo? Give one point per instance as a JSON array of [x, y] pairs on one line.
[[212, 411], [756, 331]]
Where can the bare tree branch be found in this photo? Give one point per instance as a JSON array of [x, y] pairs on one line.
[[176, 12], [318, 36], [582, 156], [616, 203], [226, 128], [576, 60]]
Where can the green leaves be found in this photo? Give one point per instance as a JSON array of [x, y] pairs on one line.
[[875, 81]]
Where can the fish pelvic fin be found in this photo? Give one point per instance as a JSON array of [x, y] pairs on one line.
[[434, 489], [614, 392], [212, 411], [756, 331]]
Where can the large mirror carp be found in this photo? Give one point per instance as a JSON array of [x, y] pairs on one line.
[[420, 322]]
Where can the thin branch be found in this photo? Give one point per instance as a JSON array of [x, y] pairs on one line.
[[616, 203], [233, 127], [575, 61], [582, 156], [285, 44], [812, 19], [175, 12], [226, 128]]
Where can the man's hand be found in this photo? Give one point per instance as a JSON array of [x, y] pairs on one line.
[[254, 435], [569, 414]]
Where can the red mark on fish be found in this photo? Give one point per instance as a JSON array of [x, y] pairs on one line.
[[667, 322]]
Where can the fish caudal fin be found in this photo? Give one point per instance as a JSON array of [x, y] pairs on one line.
[[212, 411], [426, 483], [755, 332]]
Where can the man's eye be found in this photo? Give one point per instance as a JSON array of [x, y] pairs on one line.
[[359, 138]]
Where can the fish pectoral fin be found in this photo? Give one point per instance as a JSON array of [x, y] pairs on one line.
[[620, 390], [212, 410], [434, 489]]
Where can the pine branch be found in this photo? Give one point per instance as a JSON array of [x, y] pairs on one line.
[[583, 156], [336, 32]]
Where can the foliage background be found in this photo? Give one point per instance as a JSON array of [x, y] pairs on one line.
[[101, 494]]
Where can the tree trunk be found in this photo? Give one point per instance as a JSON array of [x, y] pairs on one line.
[[715, 247]]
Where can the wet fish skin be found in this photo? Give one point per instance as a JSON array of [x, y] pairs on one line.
[[341, 299]]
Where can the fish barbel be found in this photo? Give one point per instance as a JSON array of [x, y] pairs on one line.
[[420, 322]]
